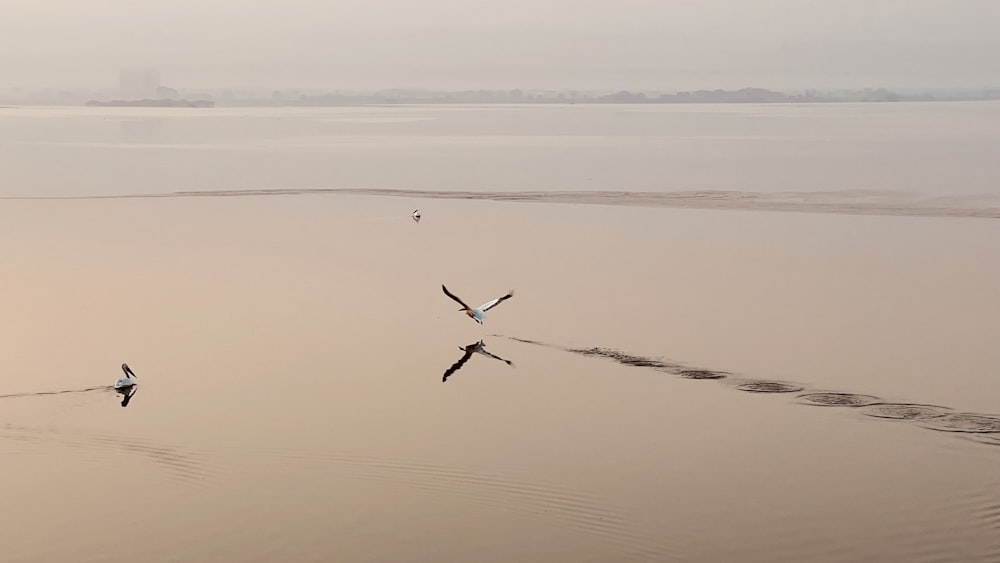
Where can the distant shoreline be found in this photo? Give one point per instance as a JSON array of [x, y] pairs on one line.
[[148, 103], [445, 103], [718, 96], [836, 202], [304, 97]]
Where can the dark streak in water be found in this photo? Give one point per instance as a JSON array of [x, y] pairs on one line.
[[64, 391], [982, 428], [702, 374], [769, 387], [640, 361], [988, 439], [964, 422], [837, 399], [525, 340], [629, 360], [623, 358], [904, 411], [846, 202]]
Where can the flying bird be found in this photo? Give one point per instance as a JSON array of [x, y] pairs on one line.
[[477, 314], [475, 347], [416, 215], [125, 383]]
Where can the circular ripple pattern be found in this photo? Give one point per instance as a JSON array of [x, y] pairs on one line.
[[965, 422], [701, 374], [837, 399], [905, 411], [769, 387]]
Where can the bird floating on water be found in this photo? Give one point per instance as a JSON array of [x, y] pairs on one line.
[[475, 347], [477, 314], [416, 215], [125, 383]]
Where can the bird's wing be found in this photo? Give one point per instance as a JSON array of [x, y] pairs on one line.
[[452, 295], [490, 304], [495, 357], [458, 365]]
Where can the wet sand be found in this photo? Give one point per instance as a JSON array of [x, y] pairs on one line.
[[290, 355]]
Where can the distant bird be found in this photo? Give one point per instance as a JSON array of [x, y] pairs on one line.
[[475, 347], [125, 383], [416, 215], [477, 313]]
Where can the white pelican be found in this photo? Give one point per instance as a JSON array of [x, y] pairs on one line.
[[125, 383], [416, 215], [477, 313], [475, 347]]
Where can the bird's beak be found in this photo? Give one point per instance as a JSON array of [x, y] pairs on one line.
[[128, 371]]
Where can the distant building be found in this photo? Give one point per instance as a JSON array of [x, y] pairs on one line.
[[166, 92], [138, 82]]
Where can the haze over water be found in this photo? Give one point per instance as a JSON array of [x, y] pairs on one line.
[[290, 345], [916, 149]]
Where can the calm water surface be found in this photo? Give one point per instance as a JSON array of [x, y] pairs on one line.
[[290, 350], [938, 149]]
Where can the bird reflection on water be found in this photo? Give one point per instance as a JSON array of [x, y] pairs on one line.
[[475, 347], [127, 394]]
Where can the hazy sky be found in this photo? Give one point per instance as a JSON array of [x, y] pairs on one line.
[[663, 44]]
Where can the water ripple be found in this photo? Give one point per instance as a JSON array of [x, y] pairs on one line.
[[837, 399], [933, 417]]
